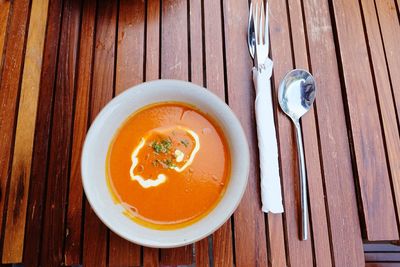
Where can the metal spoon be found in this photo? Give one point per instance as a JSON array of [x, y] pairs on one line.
[[296, 97]]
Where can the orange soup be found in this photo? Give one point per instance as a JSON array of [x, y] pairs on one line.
[[168, 165]]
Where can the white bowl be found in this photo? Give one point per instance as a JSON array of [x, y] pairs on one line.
[[102, 131]]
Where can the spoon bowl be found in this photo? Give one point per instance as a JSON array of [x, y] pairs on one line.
[[296, 97], [297, 93]]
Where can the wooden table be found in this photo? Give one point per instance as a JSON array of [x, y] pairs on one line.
[[61, 61]]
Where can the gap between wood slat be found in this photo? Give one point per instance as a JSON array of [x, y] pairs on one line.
[[24, 136]]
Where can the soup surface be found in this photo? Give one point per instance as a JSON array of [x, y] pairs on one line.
[[168, 165]]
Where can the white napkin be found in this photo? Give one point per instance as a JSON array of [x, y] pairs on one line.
[[271, 196]]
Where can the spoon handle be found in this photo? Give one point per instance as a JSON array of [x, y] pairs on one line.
[[303, 182]]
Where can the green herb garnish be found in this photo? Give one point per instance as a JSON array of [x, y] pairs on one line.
[[185, 142], [169, 163], [162, 147]]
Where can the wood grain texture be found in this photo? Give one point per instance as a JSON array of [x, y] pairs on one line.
[[95, 232], [215, 81], [299, 252], [151, 255], [196, 42], [153, 40], [250, 246], [129, 72], [41, 145], [318, 214], [335, 152], [60, 148], [4, 15], [390, 30], [73, 235], [24, 136], [372, 172], [9, 89], [174, 65], [276, 240], [386, 104]]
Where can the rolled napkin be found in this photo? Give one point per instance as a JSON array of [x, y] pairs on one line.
[[271, 195]]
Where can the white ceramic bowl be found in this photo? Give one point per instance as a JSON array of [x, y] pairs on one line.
[[102, 131]]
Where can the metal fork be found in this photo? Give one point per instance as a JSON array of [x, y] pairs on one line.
[[261, 34]]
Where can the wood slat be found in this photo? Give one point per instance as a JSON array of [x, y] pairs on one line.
[[129, 72], [384, 95], [276, 240], [4, 14], [151, 255], [73, 237], [197, 76], [60, 148], [40, 157], [382, 257], [318, 214], [390, 30], [9, 88], [335, 152], [174, 65], [373, 178], [153, 39], [95, 232], [215, 81], [22, 156], [299, 252], [250, 246], [196, 42]]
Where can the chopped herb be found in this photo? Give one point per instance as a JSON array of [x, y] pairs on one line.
[[185, 142], [162, 147], [166, 143], [169, 163], [155, 162]]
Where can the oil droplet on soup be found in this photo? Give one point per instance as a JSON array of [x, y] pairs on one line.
[[165, 169]]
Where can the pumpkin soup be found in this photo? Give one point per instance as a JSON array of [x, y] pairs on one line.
[[168, 165]]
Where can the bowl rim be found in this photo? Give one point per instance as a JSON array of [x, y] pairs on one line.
[[246, 165]]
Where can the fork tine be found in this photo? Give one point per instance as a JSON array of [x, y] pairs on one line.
[[256, 24], [262, 22], [266, 31]]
